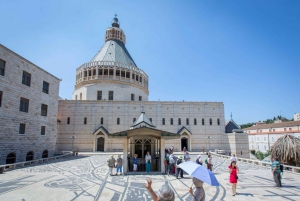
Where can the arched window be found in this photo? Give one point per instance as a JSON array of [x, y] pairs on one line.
[[179, 121], [171, 121], [85, 120], [163, 121], [45, 154], [101, 120], [195, 121], [29, 156], [68, 120], [118, 120], [203, 121], [210, 121], [187, 121], [218, 121], [11, 158], [134, 119]]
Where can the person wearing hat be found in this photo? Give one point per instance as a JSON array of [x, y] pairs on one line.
[[179, 160], [275, 166], [199, 194], [111, 164]]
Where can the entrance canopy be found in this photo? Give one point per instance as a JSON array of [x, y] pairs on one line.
[[144, 131]]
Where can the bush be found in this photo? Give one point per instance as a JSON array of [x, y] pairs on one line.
[[259, 155], [252, 152]]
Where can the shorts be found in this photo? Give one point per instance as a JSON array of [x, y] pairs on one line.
[[134, 166]]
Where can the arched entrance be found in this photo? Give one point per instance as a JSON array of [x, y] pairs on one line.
[[29, 156], [45, 154], [100, 144], [11, 158], [184, 143]]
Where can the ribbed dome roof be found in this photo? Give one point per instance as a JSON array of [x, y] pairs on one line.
[[114, 50]]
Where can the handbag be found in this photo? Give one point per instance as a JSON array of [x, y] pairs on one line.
[[236, 177]]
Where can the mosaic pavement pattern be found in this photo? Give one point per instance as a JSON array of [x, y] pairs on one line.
[[87, 178]]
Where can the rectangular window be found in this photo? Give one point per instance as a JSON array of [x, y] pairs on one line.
[[179, 121], [272, 139], [163, 121], [1, 94], [265, 147], [101, 120], [140, 98], [43, 130], [187, 121], [273, 130], [171, 121], [265, 139], [202, 121], [2, 67], [22, 129], [110, 95], [132, 97], [150, 120], [252, 146], [99, 95], [24, 105], [45, 87], [257, 139], [44, 109], [26, 79], [290, 129]]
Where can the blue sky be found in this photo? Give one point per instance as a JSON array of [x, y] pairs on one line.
[[243, 53]]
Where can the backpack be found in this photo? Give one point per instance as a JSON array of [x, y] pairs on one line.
[[281, 167], [206, 162]]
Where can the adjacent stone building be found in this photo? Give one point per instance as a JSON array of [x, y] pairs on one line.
[[28, 109]]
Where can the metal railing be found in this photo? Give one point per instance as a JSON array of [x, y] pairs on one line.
[[37, 161], [267, 165]]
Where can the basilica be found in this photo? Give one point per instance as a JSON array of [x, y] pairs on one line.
[[110, 111]]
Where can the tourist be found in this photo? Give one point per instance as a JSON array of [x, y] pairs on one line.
[[119, 164], [275, 166], [203, 148], [233, 158], [199, 194], [178, 169], [165, 193], [187, 157], [135, 162], [172, 163], [199, 160], [184, 150], [233, 170], [148, 162], [111, 164], [172, 148], [209, 163], [167, 168]]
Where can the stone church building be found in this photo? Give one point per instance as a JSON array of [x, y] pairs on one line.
[[110, 111]]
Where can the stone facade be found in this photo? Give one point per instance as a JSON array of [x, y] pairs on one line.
[[10, 116], [126, 111]]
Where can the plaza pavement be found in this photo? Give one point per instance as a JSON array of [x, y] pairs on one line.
[[86, 178]]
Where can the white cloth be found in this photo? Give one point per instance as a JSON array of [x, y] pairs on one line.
[[148, 158], [134, 166], [209, 160]]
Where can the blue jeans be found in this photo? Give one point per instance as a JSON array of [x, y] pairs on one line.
[[148, 167], [119, 168]]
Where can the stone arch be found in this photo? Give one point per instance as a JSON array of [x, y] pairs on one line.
[[185, 138]]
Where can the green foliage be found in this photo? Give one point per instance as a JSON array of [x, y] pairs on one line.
[[259, 155], [252, 152], [246, 125], [269, 121]]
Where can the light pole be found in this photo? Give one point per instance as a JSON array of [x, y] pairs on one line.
[[208, 138], [73, 137]]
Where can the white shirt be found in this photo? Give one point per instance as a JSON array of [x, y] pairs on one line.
[[233, 158], [148, 158]]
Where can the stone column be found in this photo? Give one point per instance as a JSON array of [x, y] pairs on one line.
[[125, 150], [97, 71], [162, 155], [114, 72]]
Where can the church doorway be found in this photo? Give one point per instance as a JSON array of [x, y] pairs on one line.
[[184, 143], [100, 144]]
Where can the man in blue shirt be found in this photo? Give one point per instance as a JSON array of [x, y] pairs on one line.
[[275, 166]]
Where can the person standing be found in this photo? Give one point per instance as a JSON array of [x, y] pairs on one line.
[[187, 157], [184, 150], [233, 158], [135, 162], [275, 166], [167, 168], [171, 162], [209, 163], [111, 164], [178, 169], [233, 170], [119, 165], [148, 162], [199, 194]]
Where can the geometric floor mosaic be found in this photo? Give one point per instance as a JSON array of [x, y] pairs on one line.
[[87, 179]]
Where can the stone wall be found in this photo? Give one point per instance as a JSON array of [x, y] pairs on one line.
[[239, 144], [128, 110], [11, 117]]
